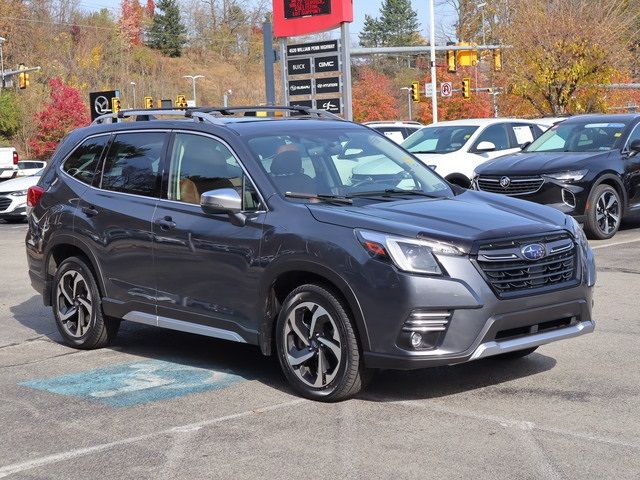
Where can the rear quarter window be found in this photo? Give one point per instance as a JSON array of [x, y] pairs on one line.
[[83, 161]]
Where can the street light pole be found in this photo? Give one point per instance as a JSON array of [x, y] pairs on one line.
[[432, 42], [409, 100], [193, 84], [225, 98]]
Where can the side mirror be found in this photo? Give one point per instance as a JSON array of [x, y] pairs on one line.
[[486, 147], [634, 147], [221, 200], [524, 146]]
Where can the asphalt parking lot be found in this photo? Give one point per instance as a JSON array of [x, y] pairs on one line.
[[160, 404]]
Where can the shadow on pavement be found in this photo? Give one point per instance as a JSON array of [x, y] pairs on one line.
[[247, 361], [390, 385]]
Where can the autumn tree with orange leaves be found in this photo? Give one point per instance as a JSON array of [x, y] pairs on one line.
[[373, 96]]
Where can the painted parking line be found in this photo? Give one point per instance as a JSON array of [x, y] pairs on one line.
[[623, 242], [130, 384]]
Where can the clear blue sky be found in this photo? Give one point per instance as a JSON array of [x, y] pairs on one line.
[[444, 16]]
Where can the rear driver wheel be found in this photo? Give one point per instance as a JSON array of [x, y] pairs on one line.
[[77, 307]]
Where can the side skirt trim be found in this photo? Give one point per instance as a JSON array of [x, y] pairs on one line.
[[172, 324]]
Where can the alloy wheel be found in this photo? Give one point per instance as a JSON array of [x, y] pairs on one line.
[[313, 345], [608, 212], [74, 306]]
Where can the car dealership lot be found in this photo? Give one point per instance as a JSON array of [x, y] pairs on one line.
[[163, 404]]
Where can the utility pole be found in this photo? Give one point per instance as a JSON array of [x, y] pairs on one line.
[[432, 45], [193, 79], [133, 87], [269, 60], [2, 40], [409, 100]]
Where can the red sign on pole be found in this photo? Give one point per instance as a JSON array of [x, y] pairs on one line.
[[304, 17]]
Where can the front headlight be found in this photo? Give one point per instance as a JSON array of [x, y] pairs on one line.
[[570, 176], [18, 193], [577, 231], [408, 254]]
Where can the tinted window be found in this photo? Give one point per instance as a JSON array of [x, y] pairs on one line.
[[82, 163], [133, 162], [495, 134], [341, 162], [579, 137], [200, 164], [439, 139]]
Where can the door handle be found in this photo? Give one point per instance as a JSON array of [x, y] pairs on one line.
[[166, 223], [90, 211]]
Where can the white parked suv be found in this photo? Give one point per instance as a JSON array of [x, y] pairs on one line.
[[395, 130], [8, 163], [13, 197], [454, 149]]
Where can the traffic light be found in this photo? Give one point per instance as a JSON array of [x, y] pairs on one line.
[[148, 102], [466, 88], [115, 104], [23, 78], [415, 91], [181, 101], [451, 61], [497, 60]]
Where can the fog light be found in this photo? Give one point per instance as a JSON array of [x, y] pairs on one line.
[[416, 339]]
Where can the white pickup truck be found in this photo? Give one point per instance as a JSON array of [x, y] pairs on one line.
[[8, 163]]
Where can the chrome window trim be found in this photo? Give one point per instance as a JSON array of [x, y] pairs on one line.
[[625, 149], [237, 158]]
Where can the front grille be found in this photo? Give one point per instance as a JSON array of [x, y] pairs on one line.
[[508, 272], [4, 203], [514, 186]]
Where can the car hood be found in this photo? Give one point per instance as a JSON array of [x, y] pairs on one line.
[[461, 220], [539, 162], [19, 183]]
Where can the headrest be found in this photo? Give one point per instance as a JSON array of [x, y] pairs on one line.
[[288, 162]]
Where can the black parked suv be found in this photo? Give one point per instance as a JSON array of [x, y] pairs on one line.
[[253, 229], [587, 166]]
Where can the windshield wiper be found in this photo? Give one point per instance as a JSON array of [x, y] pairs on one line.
[[320, 197], [394, 191], [427, 151]]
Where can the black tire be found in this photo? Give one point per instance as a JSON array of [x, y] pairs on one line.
[[92, 330], [348, 374], [517, 354], [597, 220]]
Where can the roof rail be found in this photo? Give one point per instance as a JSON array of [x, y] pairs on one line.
[[210, 114], [299, 109]]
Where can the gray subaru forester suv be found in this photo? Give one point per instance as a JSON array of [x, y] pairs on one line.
[[261, 230]]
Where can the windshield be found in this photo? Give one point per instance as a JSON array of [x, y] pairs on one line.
[[579, 137], [342, 162], [439, 139]]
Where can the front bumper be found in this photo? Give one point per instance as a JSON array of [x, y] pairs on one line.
[[480, 324], [12, 206]]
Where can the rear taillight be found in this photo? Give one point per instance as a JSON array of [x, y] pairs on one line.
[[15, 158], [33, 195]]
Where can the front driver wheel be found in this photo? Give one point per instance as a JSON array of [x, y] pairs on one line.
[[317, 345], [604, 213]]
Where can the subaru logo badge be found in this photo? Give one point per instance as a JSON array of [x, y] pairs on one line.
[[534, 251], [505, 182]]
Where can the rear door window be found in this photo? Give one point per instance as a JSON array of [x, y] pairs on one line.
[[82, 163], [522, 133], [133, 162]]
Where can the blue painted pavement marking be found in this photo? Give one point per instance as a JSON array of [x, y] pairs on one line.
[[129, 384]]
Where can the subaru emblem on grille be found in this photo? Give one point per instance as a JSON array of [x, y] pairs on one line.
[[505, 182], [534, 251]]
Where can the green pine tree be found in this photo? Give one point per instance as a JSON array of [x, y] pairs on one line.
[[167, 33], [397, 26]]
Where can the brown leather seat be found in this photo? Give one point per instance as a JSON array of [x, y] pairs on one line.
[[189, 191]]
